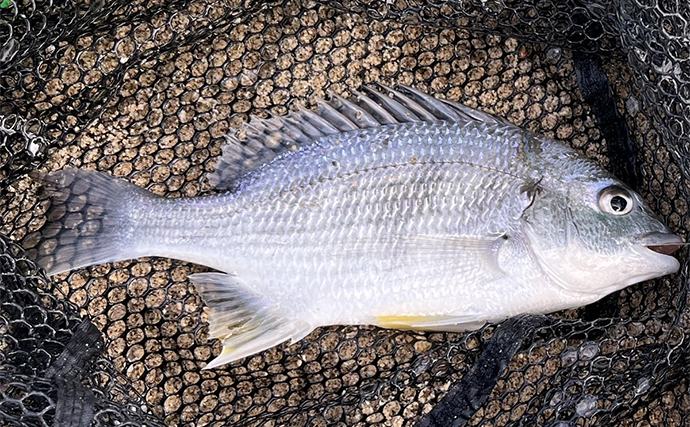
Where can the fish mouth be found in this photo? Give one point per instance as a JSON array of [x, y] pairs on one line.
[[662, 243]]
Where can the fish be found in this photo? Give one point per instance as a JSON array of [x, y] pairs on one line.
[[390, 208]]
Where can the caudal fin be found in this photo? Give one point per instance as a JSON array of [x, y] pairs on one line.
[[90, 220]]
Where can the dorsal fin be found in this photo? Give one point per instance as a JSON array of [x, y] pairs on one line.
[[262, 140]]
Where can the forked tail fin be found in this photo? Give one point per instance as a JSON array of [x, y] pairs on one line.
[[91, 219]]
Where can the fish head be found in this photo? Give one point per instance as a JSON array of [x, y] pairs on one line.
[[595, 236]]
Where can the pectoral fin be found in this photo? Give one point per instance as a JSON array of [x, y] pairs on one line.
[[478, 254], [245, 323], [472, 258], [465, 256]]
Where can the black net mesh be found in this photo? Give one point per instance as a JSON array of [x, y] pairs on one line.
[[51, 372], [147, 90]]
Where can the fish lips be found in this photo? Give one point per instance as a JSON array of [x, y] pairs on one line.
[[662, 243], [655, 249]]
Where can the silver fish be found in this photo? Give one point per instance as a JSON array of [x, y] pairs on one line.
[[393, 208]]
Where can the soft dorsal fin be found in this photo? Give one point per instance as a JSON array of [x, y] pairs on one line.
[[262, 140]]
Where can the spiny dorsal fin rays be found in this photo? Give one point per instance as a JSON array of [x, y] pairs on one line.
[[330, 114], [354, 112], [266, 139], [298, 120], [296, 132], [473, 114], [436, 106], [423, 113], [401, 113], [378, 113], [317, 122]]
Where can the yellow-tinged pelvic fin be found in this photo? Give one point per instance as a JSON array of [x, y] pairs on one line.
[[404, 322], [430, 323]]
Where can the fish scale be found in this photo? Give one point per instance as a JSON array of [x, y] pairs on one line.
[[348, 214], [419, 222]]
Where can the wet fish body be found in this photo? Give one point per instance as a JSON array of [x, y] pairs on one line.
[[400, 211]]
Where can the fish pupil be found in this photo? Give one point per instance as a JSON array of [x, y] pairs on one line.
[[618, 203]]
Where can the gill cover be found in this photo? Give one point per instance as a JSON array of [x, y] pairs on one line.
[[590, 250]]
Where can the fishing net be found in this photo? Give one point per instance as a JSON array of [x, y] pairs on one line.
[[147, 89]]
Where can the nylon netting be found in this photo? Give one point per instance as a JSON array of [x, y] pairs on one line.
[[147, 89]]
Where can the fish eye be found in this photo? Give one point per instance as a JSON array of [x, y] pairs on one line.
[[615, 201]]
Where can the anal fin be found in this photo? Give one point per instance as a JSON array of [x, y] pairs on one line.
[[245, 323]]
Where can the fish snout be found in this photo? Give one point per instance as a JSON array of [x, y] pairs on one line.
[[663, 243]]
